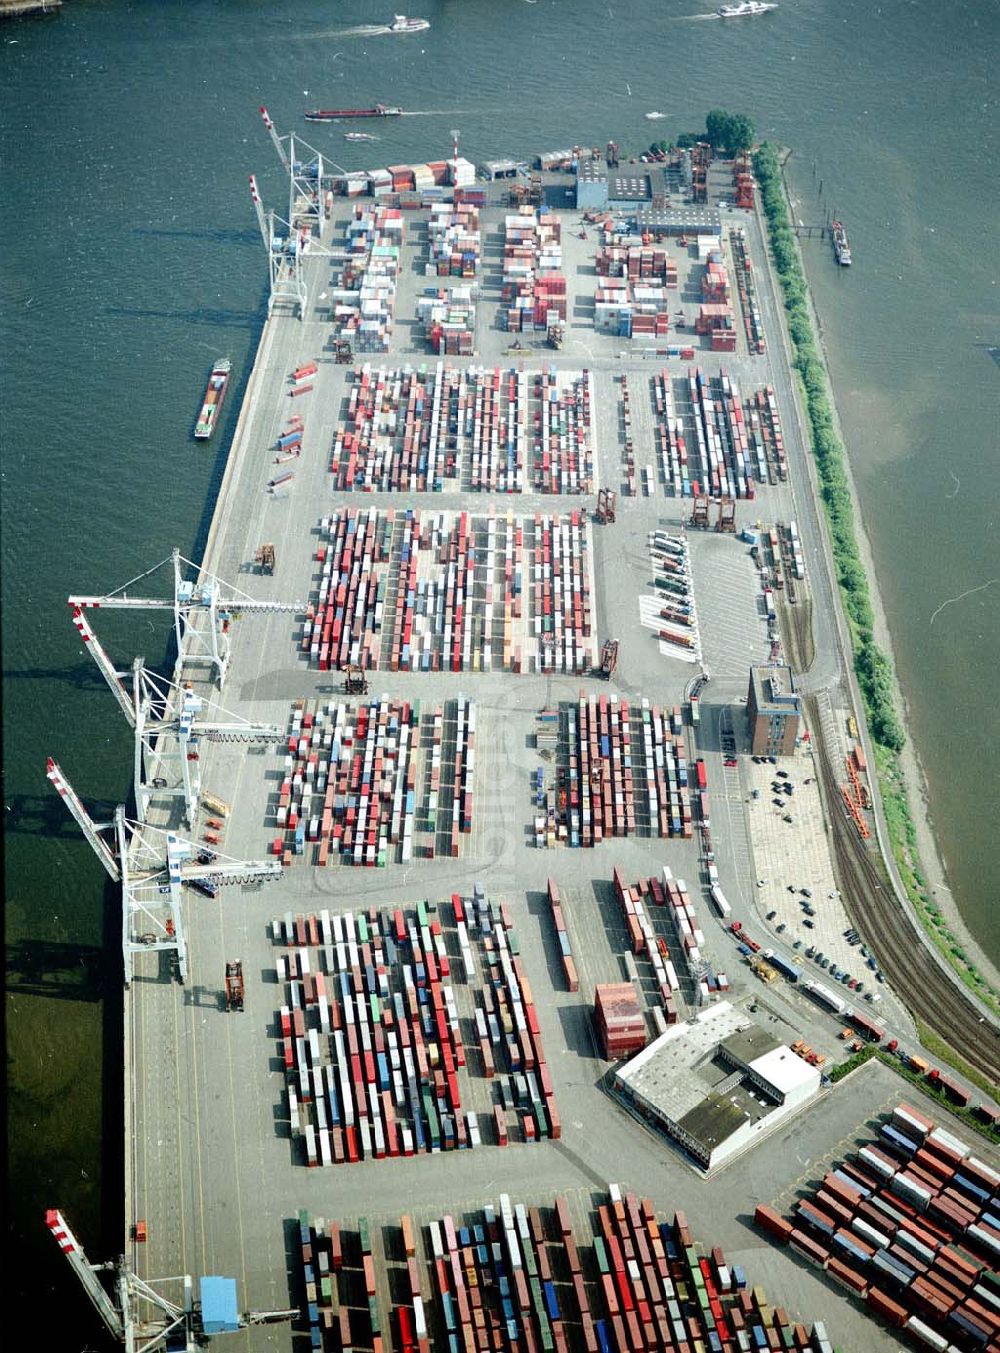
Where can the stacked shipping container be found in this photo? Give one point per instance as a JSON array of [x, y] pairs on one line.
[[445, 592], [415, 430], [534, 289], [363, 303], [514, 1277], [352, 777], [563, 433], [911, 1226], [370, 1034], [747, 288]]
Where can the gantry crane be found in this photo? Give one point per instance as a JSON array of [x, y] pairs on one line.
[[207, 598], [138, 1315], [152, 865], [307, 175], [170, 721]]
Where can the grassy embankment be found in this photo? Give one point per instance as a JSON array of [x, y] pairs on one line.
[[871, 664], [967, 1115]]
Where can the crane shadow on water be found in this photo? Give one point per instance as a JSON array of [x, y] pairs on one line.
[[76, 972], [215, 319], [219, 235]]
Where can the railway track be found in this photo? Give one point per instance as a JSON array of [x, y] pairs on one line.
[[873, 907]]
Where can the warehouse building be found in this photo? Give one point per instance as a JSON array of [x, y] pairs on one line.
[[774, 710], [716, 1084]]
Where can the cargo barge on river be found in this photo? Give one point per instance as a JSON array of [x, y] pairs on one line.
[[335, 114], [841, 244], [211, 405]]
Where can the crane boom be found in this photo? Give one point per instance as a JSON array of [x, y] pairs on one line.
[[72, 1251], [278, 143], [207, 597], [83, 819], [104, 664]]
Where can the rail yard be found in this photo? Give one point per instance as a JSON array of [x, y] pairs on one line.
[[491, 571]]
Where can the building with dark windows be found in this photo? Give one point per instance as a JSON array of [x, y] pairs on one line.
[[774, 709]]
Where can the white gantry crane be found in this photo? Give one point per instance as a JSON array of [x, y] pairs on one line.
[[287, 286], [139, 1316], [288, 240], [170, 722], [153, 865], [203, 611]]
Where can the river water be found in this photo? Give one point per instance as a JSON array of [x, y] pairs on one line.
[[131, 260]]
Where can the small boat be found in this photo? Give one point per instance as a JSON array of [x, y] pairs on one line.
[[359, 136], [211, 405], [401, 24], [334, 114], [748, 9], [841, 244], [654, 117]]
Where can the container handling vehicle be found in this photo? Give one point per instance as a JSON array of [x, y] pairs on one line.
[[234, 985]]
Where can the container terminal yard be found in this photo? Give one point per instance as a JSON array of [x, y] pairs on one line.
[[517, 551]]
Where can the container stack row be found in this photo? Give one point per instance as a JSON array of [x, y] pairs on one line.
[[534, 289], [507, 1026], [454, 240], [601, 793], [715, 322], [670, 437], [667, 778], [397, 434], [637, 263], [495, 426], [449, 319], [417, 430], [376, 781], [619, 1019], [612, 783], [514, 1276], [629, 309], [721, 435], [643, 937], [628, 444], [911, 1226], [370, 1036], [563, 432], [321, 1252], [565, 948], [344, 626], [364, 301], [747, 288], [445, 592], [691, 938], [560, 593], [764, 405], [396, 179]]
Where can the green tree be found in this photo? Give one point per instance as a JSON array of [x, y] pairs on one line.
[[729, 132]]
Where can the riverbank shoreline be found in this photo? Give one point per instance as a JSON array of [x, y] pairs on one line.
[[926, 858]]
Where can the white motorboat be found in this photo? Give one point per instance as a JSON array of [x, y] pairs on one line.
[[748, 9]]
